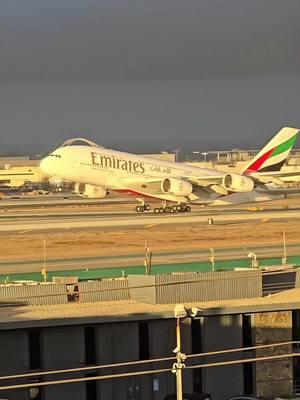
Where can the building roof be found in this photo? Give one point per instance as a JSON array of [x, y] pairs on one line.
[[116, 311]]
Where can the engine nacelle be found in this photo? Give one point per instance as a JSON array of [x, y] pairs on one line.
[[238, 183], [90, 191], [177, 187]]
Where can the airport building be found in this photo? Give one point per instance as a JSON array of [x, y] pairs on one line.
[[19, 171], [84, 325], [20, 176]]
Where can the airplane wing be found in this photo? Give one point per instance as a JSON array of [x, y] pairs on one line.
[[202, 185], [273, 176], [213, 183]]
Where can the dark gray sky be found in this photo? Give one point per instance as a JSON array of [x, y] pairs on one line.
[[148, 74]]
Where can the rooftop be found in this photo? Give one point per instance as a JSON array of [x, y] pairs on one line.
[[129, 310]]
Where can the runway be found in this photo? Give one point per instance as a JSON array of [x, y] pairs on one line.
[[38, 222], [70, 199]]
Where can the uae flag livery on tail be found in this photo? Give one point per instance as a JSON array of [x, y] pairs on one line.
[[274, 154]]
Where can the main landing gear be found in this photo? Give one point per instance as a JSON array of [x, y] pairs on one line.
[[164, 209], [143, 208], [180, 208]]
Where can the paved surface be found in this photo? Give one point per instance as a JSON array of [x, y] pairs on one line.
[[129, 219]]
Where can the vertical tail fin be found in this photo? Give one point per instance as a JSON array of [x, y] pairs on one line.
[[274, 154]]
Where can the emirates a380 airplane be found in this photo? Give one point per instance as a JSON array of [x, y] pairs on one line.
[[97, 170]]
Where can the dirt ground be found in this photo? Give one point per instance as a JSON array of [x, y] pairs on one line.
[[132, 241]]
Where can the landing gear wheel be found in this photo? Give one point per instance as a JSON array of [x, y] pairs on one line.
[[138, 208], [179, 208], [147, 207], [161, 210], [156, 210], [174, 208], [167, 209], [188, 209]]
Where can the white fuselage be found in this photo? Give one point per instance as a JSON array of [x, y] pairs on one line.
[[116, 170], [129, 173]]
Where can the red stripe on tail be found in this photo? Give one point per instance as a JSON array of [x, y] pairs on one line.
[[258, 163]]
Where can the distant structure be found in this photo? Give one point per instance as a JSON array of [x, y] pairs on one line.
[[235, 155], [19, 171], [234, 161]]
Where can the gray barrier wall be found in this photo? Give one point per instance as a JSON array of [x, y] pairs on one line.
[[189, 287]]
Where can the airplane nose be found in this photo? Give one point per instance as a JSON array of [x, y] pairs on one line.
[[46, 166]]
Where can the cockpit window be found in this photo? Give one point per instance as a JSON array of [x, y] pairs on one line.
[[55, 155]]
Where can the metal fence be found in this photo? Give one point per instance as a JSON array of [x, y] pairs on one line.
[[189, 287], [105, 290], [159, 289], [39, 294]]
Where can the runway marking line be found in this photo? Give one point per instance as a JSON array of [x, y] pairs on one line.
[[265, 220], [150, 226], [27, 230]]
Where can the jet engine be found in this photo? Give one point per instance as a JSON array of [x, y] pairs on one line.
[[238, 183], [90, 191], [176, 187]]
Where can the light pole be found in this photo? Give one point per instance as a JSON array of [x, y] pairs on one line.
[[44, 269], [212, 258], [205, 153], [180, 313], [254, 261], [284, 258], [148, 259]]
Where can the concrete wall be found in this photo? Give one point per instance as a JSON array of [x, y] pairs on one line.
[[116, 343], [220, 333], [162, 342], [119, 342], [14, 359], [274, 378]]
